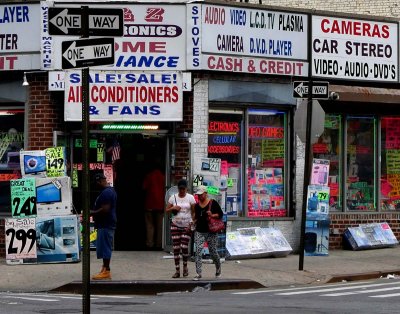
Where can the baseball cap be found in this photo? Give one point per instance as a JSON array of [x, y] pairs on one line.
[[100, 176], [182, 183], [201, 189]]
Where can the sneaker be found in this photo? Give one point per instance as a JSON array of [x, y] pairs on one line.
[[218, 273], [176, 275], [106, 274], [197, 277]]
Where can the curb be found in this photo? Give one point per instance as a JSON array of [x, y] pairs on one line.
[[152, 287], [362, 276]]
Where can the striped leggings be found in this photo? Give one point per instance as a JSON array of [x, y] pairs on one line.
[[180, 243], [212, 241]]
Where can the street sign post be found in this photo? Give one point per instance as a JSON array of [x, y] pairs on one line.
[[320, 90], [101, 22], [87, 52]]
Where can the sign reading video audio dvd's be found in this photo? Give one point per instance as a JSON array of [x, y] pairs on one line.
[[57, 239], [53, 196], [33, 163], [23, 197], [20, 241]]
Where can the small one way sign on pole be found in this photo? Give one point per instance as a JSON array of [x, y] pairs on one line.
[[87, 52], [102, 22], [320, 90]]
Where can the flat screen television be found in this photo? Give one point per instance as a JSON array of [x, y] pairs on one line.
[[47, 194], [34, 164], [45, 236]]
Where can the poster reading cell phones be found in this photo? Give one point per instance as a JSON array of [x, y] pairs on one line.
[[23, 197], [20, 241], [320, 172], [55, 162]]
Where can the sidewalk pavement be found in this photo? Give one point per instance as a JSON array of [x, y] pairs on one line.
[[150, 272]]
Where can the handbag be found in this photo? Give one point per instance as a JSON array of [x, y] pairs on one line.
[[214, 224]]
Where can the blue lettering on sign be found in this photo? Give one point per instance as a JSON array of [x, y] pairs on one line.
[[74, 78], [147, 61], [238, 17], [15, 14], [153, 110]]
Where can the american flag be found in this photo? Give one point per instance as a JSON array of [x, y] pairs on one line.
[[115, 151]]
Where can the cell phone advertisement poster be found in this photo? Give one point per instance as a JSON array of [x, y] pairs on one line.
[[23, 197], [57, 239], [317, 201], [320, 172], [20, 241]]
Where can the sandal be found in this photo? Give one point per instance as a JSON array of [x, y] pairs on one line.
[[185, 272], [176, 275]]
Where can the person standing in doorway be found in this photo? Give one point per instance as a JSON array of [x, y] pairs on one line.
[[153, 185], [105, 221], [203, 209], [181, 205]]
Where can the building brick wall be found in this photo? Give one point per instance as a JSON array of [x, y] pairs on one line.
[[341, 221], [45, 112]]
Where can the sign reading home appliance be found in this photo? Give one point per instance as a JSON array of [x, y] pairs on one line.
[[102, 22], [353, 49], [125, 96], [320, 90], [87, 52]]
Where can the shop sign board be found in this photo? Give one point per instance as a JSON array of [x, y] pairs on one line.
[[154, 38], [19, 49], [102, 22], [352, 49], [246, 40], [125, 96], [87, 52]]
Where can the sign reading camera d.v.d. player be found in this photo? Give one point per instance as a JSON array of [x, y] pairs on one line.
[[87, 52]]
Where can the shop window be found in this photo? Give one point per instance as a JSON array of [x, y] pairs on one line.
[[329, 147], [225, 132], [266, 161], [390, 164], [360, 157], [11, 142]]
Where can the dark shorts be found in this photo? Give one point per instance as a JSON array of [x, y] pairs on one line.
[[104, 242]]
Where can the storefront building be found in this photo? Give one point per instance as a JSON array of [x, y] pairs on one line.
[[227, 93]]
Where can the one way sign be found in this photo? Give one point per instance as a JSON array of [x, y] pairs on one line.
[[320, 90], [87, 52], [102, 22]]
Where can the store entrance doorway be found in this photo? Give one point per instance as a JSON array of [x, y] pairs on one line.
[[130, 156], [139, 155]]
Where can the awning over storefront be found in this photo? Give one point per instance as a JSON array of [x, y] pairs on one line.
[[366, 94]]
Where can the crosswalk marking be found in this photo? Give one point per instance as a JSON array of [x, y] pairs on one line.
[[337, 289], [293, 289], [359, 292], [31, 299], [391, 295]]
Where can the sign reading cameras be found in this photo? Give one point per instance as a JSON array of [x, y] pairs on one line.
[[354, 49], [154, 38], [236, 39], [125, 96]]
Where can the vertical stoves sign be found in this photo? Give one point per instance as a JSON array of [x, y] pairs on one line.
[[125, 96], [354, 49], [20, 239]]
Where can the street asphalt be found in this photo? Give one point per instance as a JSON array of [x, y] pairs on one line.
[[149, 272]]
